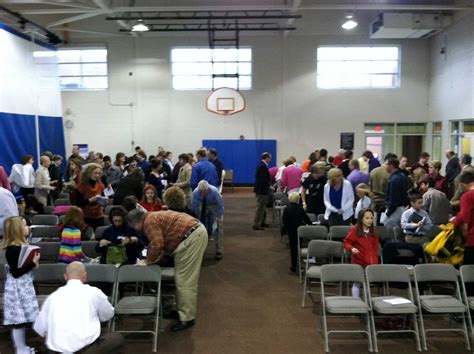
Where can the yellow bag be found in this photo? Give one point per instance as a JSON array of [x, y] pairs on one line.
[[438, 242], [447, 246]]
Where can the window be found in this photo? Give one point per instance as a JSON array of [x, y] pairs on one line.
[[462, 136], [358, 67], [436, 151], [194, 68], [80, 69]]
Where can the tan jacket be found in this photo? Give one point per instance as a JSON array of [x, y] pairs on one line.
[[42, 186], [458, 189], [184, 179]]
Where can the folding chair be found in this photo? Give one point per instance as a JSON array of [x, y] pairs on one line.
[[62, 218], [63, 196], [312, 217], [49, 251], [88, 248], [280, 200], [44, 220], [139, 305], [398, 234], [43, 232], [338, 233], [382, 306], [109, 208], [48, 210], [308, 233], [49, 275], [433, 231], [322, 220], [319, 249], [61, 201], [467, 276], [100, 231], [343, 305], [439, 305], [385, 234]]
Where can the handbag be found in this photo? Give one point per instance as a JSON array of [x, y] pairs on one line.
[[116, 254], [448, 245]]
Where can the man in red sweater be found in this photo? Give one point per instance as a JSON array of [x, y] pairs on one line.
[[466, 215]]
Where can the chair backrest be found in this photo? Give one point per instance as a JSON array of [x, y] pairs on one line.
[[325, 249], [88, 248], [63, 196], [45, 231], [433, 231], [109, 208], [312, 217], [332, 273], [62, 218], [467, 273], [100, 231], [398, 234], [322, 220], [339, 232], [435, 272], [48, 210], [132, 273], [392, 273], [229, 176], [49, 251], [385, 233], [106, 273], [309, 232], [281, 198], [44, 220], [61, 201], [50, 273]]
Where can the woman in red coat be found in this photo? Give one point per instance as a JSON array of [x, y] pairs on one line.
[[363, 243]]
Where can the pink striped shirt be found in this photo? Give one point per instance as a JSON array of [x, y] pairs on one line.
[[291, 178]]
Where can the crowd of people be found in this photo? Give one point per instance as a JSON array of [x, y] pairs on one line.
[[171, 209]]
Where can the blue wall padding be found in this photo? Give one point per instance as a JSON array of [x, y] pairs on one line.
[[243, 156]]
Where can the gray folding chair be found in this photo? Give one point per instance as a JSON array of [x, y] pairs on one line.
[[44, 220], [320, 250], [312, 217], [49, 251], [433, 231], [88, 248], [467, 276], [439, 305], [385, 275], [109, 208], [61, 201], [338, 233], [322, 220], [398, 234], [100, 231], [44, 232], [307, 233], [280, 200], [62, 218], [49, 275], [63, 196], [343, 305], [139, 305], [48, 210], [385, 234]]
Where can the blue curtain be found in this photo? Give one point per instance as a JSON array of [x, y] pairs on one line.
[[51, 134]]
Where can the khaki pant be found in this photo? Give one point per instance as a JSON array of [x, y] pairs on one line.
[[187, 264], [260, 212]]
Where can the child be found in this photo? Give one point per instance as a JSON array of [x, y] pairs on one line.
[[363, 243], [293, 217], [20, 304], [416, 221], [365, 197], [71, 248], [150, 200]]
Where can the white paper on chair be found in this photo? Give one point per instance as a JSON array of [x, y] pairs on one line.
[[397, 301], [316, 222]]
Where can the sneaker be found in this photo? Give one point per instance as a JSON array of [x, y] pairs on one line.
[[218, 256], [211, 239]]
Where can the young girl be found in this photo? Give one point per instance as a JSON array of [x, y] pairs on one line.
[[363, 243], [71, 248], [365, 197], [20, 304], [150, 200]]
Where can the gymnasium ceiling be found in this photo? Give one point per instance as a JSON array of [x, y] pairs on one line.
[[88, 18]]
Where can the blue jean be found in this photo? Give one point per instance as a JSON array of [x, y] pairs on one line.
[[218, 234]]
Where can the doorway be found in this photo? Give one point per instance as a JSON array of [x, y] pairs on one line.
[[412, 146]]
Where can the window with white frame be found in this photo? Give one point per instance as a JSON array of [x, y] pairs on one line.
[[358, 67], [193, 68], [82, 69]]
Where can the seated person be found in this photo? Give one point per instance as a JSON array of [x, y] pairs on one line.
[[150, 200], [416, 221], [71, 247], [122, 235], [130, 203], [70, 318]]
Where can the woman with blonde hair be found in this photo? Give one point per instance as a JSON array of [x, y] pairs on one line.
[[338, 198], [365, 197]]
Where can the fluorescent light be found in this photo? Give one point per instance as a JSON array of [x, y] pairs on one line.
[[350, 23], [140, 27]]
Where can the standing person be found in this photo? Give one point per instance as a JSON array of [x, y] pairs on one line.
[[143, 163], [207, 204], [150, 200], [403, 166], [396, 198], [291, 178], [365, 198], [434, 202], [71, 246], [132, 184], [212, 156], [465, 164], [111, 172], [378, 184], [363, 243], [452, 171], [293, 217], [339, 157], [20, 306], [43, 181], [344, 166], [88, 193], [441, 183], [56, 174], [203, 169], [323, 156], [8, 206], [416, 221], [466, 216], [183, 237], [74, 156], [70, 317], [423, 163], [373, 162], [121, 161], [155, 177], [312, 193], [338, 198], [261, 190], [4, 183], [310, 161], [23, 175], [356, 176], [364, 161], [184, 177]]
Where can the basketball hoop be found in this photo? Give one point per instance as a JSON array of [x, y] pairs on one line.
[[225, 101]]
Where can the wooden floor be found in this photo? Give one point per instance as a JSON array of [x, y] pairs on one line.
[[249, 303]]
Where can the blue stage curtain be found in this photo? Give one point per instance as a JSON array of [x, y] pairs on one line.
[[51, 134]]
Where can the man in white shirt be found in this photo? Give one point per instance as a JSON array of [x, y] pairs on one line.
[[70, 317], [8, 206]]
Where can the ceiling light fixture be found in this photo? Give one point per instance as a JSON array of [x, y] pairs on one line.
[[349, 23], [140, 27]]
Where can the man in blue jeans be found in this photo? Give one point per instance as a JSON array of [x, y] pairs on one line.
[[208, 206]]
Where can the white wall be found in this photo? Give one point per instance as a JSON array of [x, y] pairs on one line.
[[284, 103]]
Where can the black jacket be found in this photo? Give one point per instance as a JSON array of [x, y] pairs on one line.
[[129, 185], [344, 167], [219, 168], [262, 179], [452, 169], [293, 217]]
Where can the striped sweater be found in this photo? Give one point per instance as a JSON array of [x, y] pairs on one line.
[[71, 248]]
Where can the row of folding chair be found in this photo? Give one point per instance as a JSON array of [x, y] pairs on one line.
[[50, 250], [427, 299], [125, 305]]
